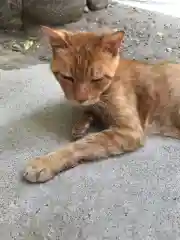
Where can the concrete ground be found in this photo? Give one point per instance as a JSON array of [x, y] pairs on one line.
[[135, 196]]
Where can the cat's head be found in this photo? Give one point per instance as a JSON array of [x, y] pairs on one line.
[[84, 63]]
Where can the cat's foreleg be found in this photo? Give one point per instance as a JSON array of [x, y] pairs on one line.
[[94, 146]]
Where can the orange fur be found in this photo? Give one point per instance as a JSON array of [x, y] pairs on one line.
[[128, 96]]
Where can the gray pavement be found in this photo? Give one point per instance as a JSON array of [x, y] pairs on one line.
[[135, 196]]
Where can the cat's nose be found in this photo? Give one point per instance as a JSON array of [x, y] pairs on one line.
[[82, 97], [81, 93], [81, 101]]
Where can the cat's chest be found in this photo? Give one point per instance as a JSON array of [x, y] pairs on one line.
[[104, 112]]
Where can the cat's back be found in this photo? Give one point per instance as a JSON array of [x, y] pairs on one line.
[[164, 73], [167, 82], [160, 81], [168, 69], [170, 72]]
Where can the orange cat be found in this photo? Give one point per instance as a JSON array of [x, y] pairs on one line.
[[128, 96]]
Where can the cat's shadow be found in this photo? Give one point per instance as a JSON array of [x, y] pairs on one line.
[[53, 122], [57, 119]]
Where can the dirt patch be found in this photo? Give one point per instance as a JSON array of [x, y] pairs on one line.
[[149, 36]]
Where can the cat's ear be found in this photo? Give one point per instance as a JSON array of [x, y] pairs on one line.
[[112, 42], [57, 38]]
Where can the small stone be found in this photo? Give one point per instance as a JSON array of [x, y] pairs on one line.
[[37, 211], [168, 49], [97, 4], [44, 58], [28, 44], [160, 34], [110, 6], [167, 25], [16, 47], [86, 9], [10, 130], [137, 41], [38, 45], [134, 9]]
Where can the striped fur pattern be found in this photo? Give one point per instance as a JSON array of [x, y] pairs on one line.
[[130, 98]]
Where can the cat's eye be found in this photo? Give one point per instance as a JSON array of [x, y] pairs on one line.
[[69, 78]]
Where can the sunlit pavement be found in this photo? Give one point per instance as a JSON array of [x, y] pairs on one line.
[[168, 7]]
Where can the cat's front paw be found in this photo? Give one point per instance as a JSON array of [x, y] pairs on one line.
[[81, 127], [79, 130], [38, 170]]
